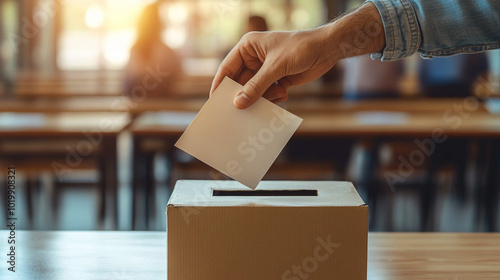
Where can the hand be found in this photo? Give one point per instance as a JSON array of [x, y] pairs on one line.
[[269, 63]]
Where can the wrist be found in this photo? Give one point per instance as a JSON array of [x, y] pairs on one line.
[[332, 39], [358, 33]]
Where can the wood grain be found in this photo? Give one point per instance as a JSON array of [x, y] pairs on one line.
[[142, 255]]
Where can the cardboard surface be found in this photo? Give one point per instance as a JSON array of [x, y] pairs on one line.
[[199, 193], [258, 238], [242, 144]]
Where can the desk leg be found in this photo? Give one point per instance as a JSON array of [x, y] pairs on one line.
[[32, 183], [135, 177], [479, 179], [369, 178], [113, 185], [487, 184], [428, 192], [48, 219], [139, 185], [170, 159], [149, 188], [108, 181], [112, 176], [3, 194], [492, 187], [102, 187], [462, 151]]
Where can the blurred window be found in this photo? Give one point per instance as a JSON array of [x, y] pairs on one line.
[[98, 34], [9, 37]]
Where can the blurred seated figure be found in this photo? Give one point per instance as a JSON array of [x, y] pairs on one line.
[[366, 78], [452, 76], [256, 23], [153, 68]]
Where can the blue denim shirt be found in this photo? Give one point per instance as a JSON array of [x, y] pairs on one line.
[[438, 27]]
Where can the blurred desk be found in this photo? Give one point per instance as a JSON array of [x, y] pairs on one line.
[[142, 255], [68, 75], [396, 124], [153, 132], [158, 131], [76, 104], [68, 84], [67, 89], [100, 104], [349, 123], [194, 103], [311, 104], [316, 105], [65, 140]]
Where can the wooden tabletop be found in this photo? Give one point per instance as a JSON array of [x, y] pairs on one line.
[[76, 104], [304, 105], [433, 256], [142, 255], [170, 123], [351, 123], [100, 104], [323, 105], [194, 103], [395, 124], [51, 124]]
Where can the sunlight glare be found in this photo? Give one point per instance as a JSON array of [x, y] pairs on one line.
[[178, 13], [94, 16], [175, 37]]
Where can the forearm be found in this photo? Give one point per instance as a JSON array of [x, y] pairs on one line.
[[358, 33]]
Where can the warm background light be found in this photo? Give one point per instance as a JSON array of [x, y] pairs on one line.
[[94, 16], [178, 13]]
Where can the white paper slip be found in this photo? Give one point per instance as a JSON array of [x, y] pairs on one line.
[[242, 144]]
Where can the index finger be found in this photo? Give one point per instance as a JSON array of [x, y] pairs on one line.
[[231, 66]]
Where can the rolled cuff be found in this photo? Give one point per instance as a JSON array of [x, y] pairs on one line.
[[402, 32]]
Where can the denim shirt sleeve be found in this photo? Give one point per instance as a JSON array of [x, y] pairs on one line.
[[438, 27]]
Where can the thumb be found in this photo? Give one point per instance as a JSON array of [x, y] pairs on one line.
[[256, 86]]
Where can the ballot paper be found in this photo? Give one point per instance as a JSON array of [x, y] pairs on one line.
[[243, 144]]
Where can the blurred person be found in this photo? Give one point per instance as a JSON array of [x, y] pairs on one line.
[[452, 76], [365, 78], [153, 66], [256, 23]]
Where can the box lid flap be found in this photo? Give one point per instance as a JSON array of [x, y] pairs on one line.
[[268, 193]]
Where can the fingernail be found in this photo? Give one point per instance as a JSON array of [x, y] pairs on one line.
[[241, 100]]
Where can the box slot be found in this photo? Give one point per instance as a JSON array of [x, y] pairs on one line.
[[265, 193]]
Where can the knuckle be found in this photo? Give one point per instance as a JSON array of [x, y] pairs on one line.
[[284, 97], [253, 88], [249, 38], [226, 71], [251, 35]]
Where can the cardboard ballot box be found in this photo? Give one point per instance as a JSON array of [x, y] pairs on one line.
[[221, 230]]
